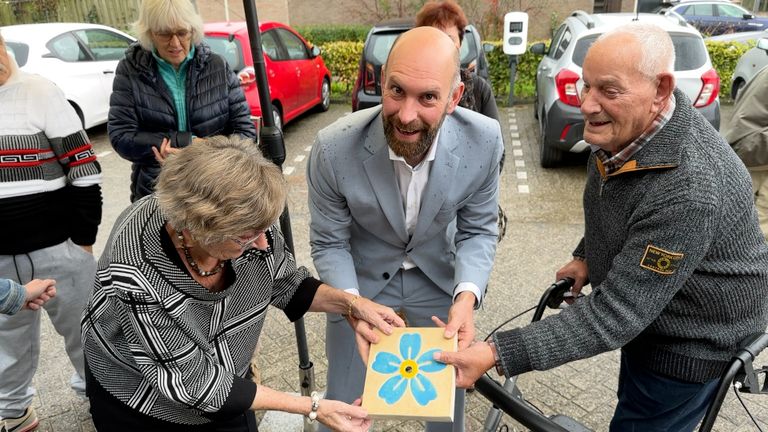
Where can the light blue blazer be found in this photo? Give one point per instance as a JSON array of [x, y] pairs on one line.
[[357, 231]]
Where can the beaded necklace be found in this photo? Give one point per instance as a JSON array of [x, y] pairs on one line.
[[192, 262]]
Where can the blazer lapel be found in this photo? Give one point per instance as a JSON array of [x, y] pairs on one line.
[[441, 176], [381, 175]]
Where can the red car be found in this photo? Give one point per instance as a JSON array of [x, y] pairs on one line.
[[298, 78]]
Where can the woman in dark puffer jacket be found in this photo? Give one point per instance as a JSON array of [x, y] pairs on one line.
[[170, 88]]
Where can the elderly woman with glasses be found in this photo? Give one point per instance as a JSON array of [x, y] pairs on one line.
[[181, 295], [169, 88]]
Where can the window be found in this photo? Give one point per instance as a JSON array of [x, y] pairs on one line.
[[556, 40], [104, 45], [229, 51], [379, 45], [270, 46], [19, 51], [67, 48], [731, 11], [701, 10], [563, 45], [295, 46], [690, 52]]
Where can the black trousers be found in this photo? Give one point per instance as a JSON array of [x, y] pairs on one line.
[[112, 415]]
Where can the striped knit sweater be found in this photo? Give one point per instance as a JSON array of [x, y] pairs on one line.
[[49, 178], [677, 263], [163, 344]]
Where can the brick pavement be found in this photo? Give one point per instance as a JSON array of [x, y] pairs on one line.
[[538, 236]]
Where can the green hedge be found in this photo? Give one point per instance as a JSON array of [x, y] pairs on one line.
[[321, 35], [342, 58]]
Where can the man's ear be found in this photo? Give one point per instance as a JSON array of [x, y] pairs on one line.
[[664, 88], [455, 98]]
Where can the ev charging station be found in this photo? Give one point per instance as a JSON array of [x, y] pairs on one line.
[[514, 42]]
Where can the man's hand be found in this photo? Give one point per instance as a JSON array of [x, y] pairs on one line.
[[578, 271], [367, 316], [470, 363], [461, 320]]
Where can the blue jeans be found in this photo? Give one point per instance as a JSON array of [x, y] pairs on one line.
[[651, 402]]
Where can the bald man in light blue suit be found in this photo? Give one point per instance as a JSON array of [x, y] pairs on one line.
[[403, 201]]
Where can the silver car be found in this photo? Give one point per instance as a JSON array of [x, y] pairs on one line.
[[558, 77], [748, 66]]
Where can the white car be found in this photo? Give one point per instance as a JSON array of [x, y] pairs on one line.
[[749, 64], [80, 58]]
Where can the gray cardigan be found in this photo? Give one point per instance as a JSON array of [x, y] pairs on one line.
[[677, 263]]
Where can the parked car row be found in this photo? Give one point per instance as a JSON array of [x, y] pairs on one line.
[[81, 59], [715, 17]]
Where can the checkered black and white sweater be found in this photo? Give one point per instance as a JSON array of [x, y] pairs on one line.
[[163, 344], [49, 178]]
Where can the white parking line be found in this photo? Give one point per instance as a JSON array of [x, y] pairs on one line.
[[515, 135], [523, 189], [513, 127], [308, 148], [103, 154], [288, 170], [522, 175], [517, 153], [516, 143], [299, 158], [520, 163]]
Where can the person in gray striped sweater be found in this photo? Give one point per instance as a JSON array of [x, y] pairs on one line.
[[672, 247], [182, 291]]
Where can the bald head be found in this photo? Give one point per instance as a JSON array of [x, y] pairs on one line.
[[426, 43]]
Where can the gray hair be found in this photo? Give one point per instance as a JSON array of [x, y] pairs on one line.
[[657, 53], [166, 15], [219, 187]]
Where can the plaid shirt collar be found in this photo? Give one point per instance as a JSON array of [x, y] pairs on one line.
[[615, 162]]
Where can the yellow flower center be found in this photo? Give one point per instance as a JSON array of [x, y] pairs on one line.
[[409, 369]]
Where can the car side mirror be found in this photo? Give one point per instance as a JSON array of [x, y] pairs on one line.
[[539, 48], [748, 16], [763, 44], [315, 51], [488, 47]]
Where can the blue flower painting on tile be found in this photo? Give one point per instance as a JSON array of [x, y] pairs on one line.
[[410, 371]]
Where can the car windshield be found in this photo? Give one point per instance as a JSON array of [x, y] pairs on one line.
[[19, 51], [379, 45], [230, 51], [690, 52]]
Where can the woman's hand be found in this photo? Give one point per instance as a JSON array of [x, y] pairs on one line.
[[367, 316], [342, 417], [165, 151]]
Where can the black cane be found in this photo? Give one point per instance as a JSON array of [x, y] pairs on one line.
[[273, 147]]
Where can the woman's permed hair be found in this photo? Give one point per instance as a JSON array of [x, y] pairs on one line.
[[167, 15], [219, 187]]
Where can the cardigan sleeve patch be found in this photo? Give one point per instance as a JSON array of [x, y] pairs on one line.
[[660, 261]]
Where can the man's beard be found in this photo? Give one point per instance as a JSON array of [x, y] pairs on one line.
[[407, 150]]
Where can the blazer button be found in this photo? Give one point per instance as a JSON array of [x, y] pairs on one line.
[[385, 275]]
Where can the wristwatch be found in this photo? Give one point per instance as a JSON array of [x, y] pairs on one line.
[[496, 359], [312, 416]]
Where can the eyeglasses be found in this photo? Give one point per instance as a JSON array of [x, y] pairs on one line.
[[245, 242], [166, 36]]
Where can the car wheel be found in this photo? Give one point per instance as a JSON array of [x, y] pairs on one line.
[[550, 156], [737, 88], [325, 96], [277, 117]]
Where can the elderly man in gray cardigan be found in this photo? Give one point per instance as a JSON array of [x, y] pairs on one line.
[[672, 246]]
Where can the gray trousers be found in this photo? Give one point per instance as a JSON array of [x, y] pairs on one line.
[[74, 270], [409, 292]]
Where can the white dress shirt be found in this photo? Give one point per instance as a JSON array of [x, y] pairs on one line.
[[412, 181]]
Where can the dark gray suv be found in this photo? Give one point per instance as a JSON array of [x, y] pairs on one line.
[[367, 91]]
